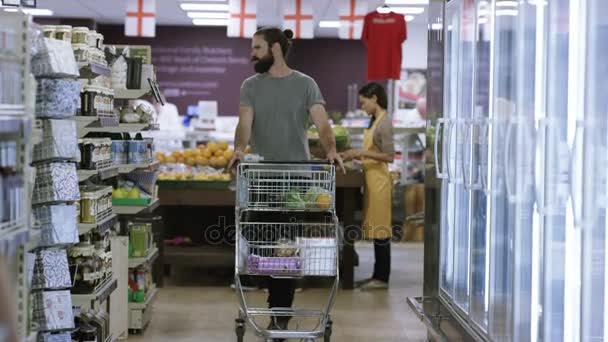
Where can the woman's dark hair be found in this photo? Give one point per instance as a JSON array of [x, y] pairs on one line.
[[373, 88], [275, 35]]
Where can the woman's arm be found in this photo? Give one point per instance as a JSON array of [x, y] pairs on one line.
[[379, 156]]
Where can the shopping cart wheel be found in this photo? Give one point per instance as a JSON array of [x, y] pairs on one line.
[[327, 335], [240, 329]]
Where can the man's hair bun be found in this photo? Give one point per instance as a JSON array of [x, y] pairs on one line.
[[288, 33]]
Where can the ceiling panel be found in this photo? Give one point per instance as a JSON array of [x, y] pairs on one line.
[[169, 12]]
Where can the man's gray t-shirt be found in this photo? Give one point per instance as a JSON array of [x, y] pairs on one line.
[[280, 114]]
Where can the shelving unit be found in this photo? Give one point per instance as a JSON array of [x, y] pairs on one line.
[[95, 126], [102, 294], [130, 94], [150, 258], [92, 70], [140, 314], [15, 235], [103, 226], [136, 209], [128, 168], [103, 174]]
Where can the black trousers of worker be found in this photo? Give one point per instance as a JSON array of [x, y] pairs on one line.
[[382, 266]]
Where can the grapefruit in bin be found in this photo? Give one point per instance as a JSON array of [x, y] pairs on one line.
[[324, 201]]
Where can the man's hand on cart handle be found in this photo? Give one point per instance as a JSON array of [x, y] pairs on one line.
[[236, 157], [334, 156]]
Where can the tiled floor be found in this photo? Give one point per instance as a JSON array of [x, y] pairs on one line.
[[196, 314]]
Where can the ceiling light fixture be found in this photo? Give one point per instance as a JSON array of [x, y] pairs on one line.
[[204, 7], [506, 3], [210, 22], [208, 15], [407, 2], [409, 17], [436, 26], [407, 10], [507, 12], [329, 24], [37, 12]]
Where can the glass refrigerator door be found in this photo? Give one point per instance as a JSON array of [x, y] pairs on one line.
[[501, 234], [519, 168], [462, 165], [553, 175], [478, 178], [590, 212], [448, 198]]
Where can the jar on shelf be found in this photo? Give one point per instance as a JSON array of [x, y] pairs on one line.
[[92, 38], [103, 270], [80, 35], [49, 31], [87, 333], [81, 53], [88, 207], [85, 268], [63, 32]]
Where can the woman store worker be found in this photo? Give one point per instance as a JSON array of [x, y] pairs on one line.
[[378, 150]]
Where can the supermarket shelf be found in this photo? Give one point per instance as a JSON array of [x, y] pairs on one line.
[[130, 94], [121, 128], [128, 168], [36, 136], [15, 236], [34, 240], [103, 226], [152, 255], [149, 300], [136, 209], [92, 70], [101, 295], [104, 173]]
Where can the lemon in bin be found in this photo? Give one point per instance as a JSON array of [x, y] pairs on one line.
[[134, 193], [223, 145]]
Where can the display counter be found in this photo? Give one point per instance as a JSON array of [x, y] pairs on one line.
[[206, 216]]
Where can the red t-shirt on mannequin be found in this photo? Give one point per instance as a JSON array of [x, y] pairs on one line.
[[383, 35]]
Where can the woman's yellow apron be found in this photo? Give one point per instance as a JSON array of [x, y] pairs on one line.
[[377, 198]]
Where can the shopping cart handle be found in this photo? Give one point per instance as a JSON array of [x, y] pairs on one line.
[[302, 162]]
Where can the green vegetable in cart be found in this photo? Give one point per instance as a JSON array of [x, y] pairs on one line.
[[293, 200]]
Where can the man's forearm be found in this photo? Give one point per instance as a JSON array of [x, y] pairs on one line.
[[241, 138], [327, 138]]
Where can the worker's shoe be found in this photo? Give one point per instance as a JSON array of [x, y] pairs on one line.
[[360, 283], [374, 284]]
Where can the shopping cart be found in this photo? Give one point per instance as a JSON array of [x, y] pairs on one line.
[[286, 227]]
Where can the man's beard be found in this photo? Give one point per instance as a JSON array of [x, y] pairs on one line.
[[264, 64]]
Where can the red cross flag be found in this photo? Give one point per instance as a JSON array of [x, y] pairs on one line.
[[352, 13], [297, 16], [141, 18], [243, 19]]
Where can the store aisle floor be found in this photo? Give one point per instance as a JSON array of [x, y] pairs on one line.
[[206, 314]]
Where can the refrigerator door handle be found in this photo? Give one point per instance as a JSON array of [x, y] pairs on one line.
[[454, 125], [540, 167], [579, 220], [506, 161], [470, 146], [439, 167], [485, 147], [512, 195]]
